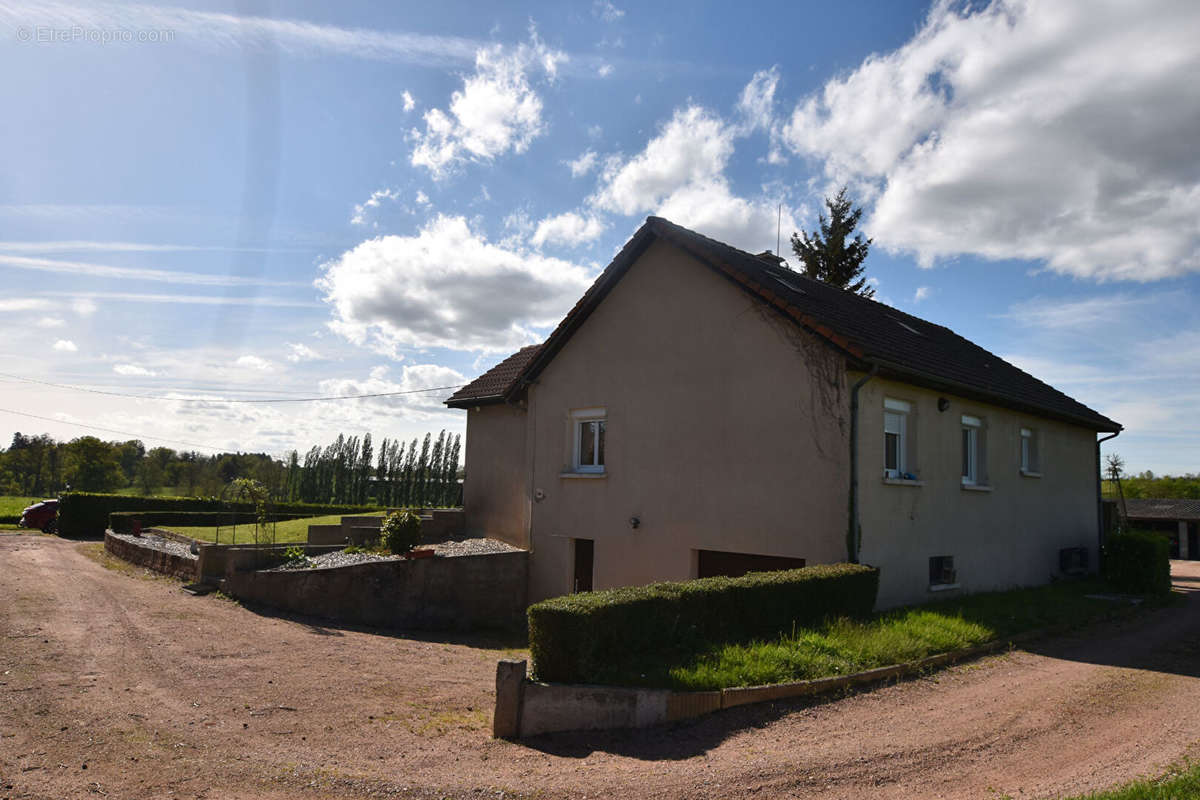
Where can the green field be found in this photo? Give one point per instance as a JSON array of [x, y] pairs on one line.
[[11, 506], [294, 530]]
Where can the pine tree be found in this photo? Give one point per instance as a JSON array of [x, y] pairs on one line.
[[436, 470], [829, 254], [422, 473]]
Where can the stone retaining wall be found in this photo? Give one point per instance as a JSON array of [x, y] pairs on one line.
[[455, 593], [528, 708], [151, 558]]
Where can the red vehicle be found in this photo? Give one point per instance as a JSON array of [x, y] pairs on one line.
[[43, 515]]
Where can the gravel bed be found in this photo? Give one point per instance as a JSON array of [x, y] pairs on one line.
[[157, 543], [450, 549], [474, 547]]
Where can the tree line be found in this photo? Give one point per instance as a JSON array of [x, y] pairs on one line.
[[423, 472], [350, 471]]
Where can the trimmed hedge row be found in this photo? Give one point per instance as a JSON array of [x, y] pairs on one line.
[[122, 521], [586, 637], [1138, 562], [86, 513]]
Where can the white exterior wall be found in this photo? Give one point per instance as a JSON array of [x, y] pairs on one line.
[[1008, 536]]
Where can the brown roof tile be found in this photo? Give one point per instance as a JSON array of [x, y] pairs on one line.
[[491, 386]]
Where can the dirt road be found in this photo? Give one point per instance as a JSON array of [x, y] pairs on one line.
[[116, 684]]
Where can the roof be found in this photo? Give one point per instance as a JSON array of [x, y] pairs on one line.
[[870, 334], [1162, 508], [491, 385]]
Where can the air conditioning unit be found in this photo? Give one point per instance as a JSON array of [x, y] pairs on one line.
[[1073, 561]]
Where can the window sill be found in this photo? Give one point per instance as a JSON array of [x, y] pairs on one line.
[[902, 482], [1030, 473], [943, 587], [586, 475], [975, 487]]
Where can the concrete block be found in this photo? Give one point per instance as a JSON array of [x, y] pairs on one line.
[[325, 534], [510, 685]]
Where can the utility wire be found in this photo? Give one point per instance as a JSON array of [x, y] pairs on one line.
[[258, 400], [113, 430]]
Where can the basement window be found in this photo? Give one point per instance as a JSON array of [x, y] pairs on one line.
[[942, 574]]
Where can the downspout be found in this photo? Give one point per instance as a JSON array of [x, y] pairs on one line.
[[1100, 502], [854, 532]]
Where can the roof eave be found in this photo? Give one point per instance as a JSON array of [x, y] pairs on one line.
[[887, 369], [471, 402]]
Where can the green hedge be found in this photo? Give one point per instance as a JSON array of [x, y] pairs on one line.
[[86, 514], [588, 637], [1138, 562], [122, 521]]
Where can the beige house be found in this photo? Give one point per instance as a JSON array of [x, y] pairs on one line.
[[702, 411]]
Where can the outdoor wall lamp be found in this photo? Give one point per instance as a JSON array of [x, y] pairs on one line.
[[943, 404], [635, 522]]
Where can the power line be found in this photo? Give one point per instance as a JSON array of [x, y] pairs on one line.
[[258, 400], [113, 430]]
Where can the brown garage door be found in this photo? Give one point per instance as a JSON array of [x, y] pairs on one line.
[[733, 565]]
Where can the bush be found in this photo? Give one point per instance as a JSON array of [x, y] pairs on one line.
[[86, 513], [400, 532], [1138, 562], [588, 637]]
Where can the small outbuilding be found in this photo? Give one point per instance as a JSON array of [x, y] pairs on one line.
[[1179, 519]]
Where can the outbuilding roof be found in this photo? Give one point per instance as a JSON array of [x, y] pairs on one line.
[[870, 334], [1162, 508]]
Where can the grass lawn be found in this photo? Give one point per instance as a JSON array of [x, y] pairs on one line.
[[844, 646], [293, 530], [1181, 784]]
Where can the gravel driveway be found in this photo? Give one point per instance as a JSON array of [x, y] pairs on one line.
[[115, 683]]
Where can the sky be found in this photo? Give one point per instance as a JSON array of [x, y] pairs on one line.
[[229, 202]]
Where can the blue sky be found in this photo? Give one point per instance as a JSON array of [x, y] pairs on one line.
[[228, 202]]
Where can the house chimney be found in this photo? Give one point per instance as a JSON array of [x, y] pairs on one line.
[[771, 258]]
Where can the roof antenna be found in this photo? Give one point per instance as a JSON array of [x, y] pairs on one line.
[[778, 222]]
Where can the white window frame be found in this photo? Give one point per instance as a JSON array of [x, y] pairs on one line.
[[1029, 457], [972, 426], [897, 411], [580, 418]]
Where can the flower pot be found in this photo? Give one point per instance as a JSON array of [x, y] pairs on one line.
[[423, 553]]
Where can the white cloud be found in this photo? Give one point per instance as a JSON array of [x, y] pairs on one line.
[[1084, 314], [423, 199], [496, 111], [693, 147], [1040, 131], [84, 306], [23, 304], [604, 70], [605, 10], [409, 102], [377, 197], [756, 105], [595, 131], [133, 371], [51, 322], [302, 352], [221, 31], [254, 362], [65, 346], [412, 378], [582, 165], [569, 228], [922, 293], [681, 175], [446, 287], [132, 273]]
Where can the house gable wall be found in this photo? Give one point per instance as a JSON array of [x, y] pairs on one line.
[[726, 430], [1008, 536], [496, 482]]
